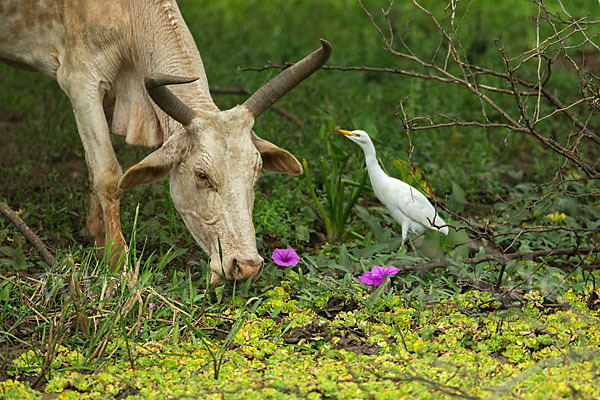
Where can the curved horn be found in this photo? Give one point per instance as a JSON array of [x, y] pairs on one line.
[[165, 99], [288, 79]]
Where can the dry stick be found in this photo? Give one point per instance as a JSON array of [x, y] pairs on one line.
[[31, 237], [504, 258], [242, 91]]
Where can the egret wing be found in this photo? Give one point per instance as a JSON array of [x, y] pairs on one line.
[[412, 203]]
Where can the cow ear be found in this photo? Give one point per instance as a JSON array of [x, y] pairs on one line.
[[154, 167], [276, 159]]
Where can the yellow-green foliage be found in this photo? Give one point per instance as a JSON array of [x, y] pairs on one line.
[[10, 389], [452, 348]]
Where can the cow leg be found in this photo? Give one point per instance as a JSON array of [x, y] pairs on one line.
[[97, 229], [103, 166], [95, 221], [103, 218]]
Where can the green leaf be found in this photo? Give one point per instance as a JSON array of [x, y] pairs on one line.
[[408, 172], [457, 199], [7, 251], [20, 260], [375, 248]]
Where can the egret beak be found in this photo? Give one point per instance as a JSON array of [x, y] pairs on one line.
[[345, 132]]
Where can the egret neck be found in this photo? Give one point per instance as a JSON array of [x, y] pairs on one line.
[[376, 173]]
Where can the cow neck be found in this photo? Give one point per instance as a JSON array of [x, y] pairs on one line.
[[168, 47]]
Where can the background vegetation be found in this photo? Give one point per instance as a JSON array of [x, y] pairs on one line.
[[488, 311]]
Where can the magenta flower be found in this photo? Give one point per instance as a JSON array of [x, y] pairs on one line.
[[377, 275], [285, 257]]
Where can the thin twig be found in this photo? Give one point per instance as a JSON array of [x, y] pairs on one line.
[[504, 258], [31, 237]]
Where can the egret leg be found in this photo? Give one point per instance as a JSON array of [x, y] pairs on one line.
[[404, 233], [412, 245]]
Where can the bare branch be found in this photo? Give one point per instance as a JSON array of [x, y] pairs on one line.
[[31, 237], [503, 258]]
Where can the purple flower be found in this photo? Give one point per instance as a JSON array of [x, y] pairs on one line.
[[377, 275], [285, 257]]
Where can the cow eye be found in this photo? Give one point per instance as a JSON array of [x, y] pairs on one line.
[[202, 178]]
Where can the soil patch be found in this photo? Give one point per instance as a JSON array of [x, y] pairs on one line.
[[335, 305], [350, 338]]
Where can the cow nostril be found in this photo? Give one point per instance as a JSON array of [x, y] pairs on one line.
[[245, 270]]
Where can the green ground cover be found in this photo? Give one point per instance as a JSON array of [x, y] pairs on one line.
[[285, 348], [501, 328]]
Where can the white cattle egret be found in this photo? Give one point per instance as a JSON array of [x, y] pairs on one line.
[[409, 207]]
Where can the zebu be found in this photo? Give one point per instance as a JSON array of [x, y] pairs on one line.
[[112, 58]]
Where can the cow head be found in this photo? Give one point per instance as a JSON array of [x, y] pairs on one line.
[[214, 164]]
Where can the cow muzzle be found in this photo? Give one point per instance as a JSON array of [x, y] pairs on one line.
[[244, 270], [239, 270]]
